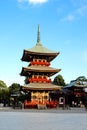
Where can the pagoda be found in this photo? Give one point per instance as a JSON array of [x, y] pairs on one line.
[[38, 74]]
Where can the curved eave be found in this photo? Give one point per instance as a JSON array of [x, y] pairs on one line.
[[29, 71], [41, 86], [75, 85], [28, 55], [43, 89]]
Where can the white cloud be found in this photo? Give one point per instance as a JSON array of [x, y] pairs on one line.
[[33, 1], [69, 17], [82, 10], [37, 1], [77, 3], [76, 14], [79, 10]]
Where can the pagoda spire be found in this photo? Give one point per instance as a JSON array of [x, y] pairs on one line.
[[38, 36]]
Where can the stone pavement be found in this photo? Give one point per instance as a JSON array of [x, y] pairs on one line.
[[58, 110]]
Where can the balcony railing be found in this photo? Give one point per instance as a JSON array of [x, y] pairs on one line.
[[40, 80], [39, 63]]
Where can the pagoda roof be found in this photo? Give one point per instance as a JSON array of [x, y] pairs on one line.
[[26, 71], [29, 55], [39, 50], [41, 86]]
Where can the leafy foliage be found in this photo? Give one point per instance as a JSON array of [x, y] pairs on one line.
[[2, 84], [14, 88], [81, 78], [4, 92], [58, 80]]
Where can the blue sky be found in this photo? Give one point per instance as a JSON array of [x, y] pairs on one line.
[[63, 27]]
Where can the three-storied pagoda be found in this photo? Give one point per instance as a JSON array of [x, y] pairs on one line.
[[38, 82]]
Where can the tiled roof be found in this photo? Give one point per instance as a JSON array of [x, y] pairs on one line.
[[41, 86], [76, 83], [41, 68], [38, 69], [39, 48]]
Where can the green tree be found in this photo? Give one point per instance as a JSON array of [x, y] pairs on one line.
[[4, 92], [58, 80], [14, 88], [2, 84], [81, 78], [14, 93]]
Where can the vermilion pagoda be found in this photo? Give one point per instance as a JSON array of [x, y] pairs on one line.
[[38, 83]]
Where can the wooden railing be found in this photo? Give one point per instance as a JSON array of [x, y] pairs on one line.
[[34, 104], [40, 80], [39, 63]]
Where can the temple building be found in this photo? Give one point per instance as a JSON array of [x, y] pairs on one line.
[[76, 88], [38, 73]]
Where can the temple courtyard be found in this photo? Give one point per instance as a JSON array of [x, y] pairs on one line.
[[54, 110], [41, 119]]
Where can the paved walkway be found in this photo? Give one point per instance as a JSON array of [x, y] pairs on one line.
[[58, 110]]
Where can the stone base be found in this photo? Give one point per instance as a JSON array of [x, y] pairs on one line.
[[41, 106]]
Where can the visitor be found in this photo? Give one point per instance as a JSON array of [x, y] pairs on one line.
[[72, 103]]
